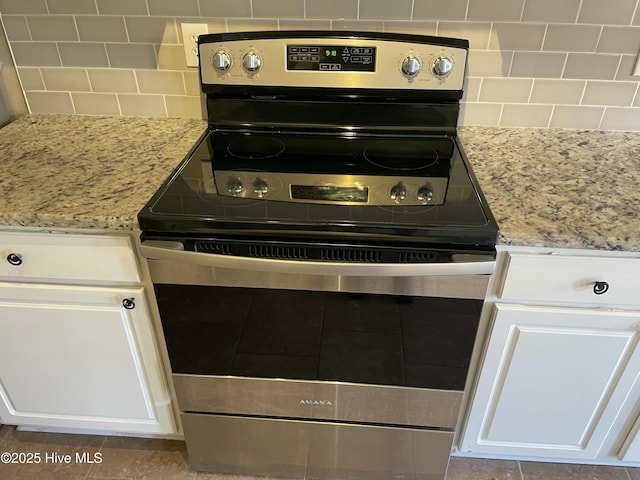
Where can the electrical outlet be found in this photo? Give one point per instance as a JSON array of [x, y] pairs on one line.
[[190, 33]]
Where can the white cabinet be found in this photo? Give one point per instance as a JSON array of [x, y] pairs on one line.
[[74, 356], [560, 372]]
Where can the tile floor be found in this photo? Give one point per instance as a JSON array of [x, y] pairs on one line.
[[137, 459]]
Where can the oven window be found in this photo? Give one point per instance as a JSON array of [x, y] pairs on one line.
[[363, 338]]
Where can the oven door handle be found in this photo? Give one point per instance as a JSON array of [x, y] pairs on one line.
[[461, 264]]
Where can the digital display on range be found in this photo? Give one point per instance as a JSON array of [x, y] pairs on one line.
[[333, 58], [329, 193]]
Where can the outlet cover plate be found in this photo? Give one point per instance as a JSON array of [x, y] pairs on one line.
[[190, 32]]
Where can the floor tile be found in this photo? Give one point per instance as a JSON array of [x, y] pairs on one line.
[[567, 471], [634, 473], [48, 456], [461, 468], [142, 458]]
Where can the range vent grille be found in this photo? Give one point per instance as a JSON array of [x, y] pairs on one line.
[[312, 252]]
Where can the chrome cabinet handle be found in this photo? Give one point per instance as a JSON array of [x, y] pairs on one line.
[[600, 288], [14, 259]]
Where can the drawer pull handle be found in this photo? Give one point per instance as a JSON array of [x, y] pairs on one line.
[[129, 303], [600, 287], [14, 259]]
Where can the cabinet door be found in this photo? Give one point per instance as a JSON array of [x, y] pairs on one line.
[[631, 449], [75, 357], [552, 381]]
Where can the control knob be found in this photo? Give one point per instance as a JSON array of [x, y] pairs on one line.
[[221, 61], [398, 192], [251, 62], [234, 186], [425, 194], [442, 66], [411, 66], [260, 187]]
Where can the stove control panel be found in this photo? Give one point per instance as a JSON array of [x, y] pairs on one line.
[[332, 189], [333, 61]]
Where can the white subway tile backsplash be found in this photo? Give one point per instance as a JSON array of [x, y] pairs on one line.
[[83, 54], [625, 69], [15, 26], [225, 8], [152, 29], [132, 55], [576, 117], [481, 114], [184, 8], [495, 10], [619, 94], [505, 90], [30, 78], [152, 81], [279, 8], [478, 33], [619, 40], [532, 63], [142, 105], [396, 10], [572, 38], [551, 11], [301, 24], [36, 54], [122, 7], [251, 25], [110, 80], [416, 28], [96, 104], [101, 28], [616, 118], [533, 116], [49, 102], [65, 79], [23, 6], [538, 64], [183, 107], [52, 28], [72, 6], [439, 10], [191, 83], [485, 63], [557, 92], [516, 36], [591, 66], [332, 8], [611, 12], [358, 25], [171, 57]]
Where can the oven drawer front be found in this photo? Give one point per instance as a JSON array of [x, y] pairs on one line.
[[307, 449], [318, 400], [571, 279], [67, 258]]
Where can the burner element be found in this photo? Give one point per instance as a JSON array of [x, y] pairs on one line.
[[255, 147], [400, 155]]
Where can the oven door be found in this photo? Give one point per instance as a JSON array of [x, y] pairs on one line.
[[289, 352]]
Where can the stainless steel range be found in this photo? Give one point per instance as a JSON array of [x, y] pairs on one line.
[[321, 255]]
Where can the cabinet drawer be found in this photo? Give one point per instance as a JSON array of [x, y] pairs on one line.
[[572, 279], [57, 258]]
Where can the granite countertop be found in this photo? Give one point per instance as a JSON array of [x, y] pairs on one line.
[[72, 171], [550, 188]]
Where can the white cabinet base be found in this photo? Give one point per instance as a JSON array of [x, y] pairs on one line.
[[76, 357], [553, 381]]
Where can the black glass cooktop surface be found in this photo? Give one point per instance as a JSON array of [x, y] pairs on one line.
[[189, 202]]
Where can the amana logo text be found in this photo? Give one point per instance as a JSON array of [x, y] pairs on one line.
[[316, 402]]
